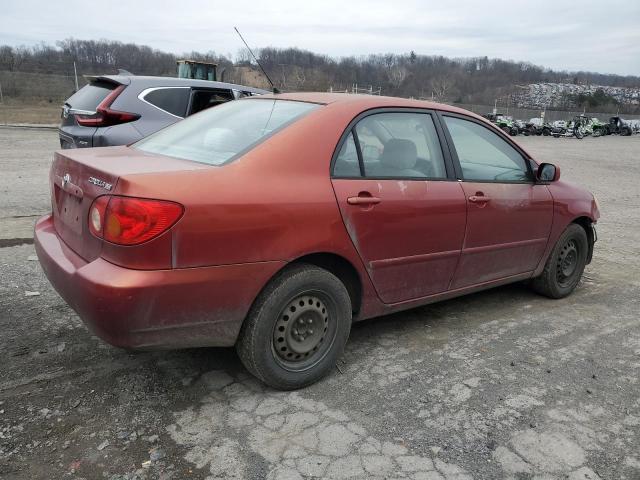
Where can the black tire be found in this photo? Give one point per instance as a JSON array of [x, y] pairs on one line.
[[565, 265], [546, 132], [277, 345], [506, 130]]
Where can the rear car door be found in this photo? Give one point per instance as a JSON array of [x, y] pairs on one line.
[[509, 216], [400, 202]]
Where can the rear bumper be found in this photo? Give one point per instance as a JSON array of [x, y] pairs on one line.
[[152, 308]]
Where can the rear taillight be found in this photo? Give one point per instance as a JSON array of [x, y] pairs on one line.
[[97, 214], [105, 116], [131, 221]]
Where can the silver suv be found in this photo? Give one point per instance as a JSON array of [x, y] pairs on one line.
[[122, 109]]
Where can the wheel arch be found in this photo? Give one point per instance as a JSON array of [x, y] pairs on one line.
[[587, 224], [341, 268]]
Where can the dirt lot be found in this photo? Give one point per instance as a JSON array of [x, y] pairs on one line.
[[500, 384]]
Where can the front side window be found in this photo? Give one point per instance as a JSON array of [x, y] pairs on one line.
[[394, 145], [221, 134], [483, 154]]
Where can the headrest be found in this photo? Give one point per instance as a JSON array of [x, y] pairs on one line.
[[399, 153]]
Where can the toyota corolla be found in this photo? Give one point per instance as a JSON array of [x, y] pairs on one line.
[[272, 223]]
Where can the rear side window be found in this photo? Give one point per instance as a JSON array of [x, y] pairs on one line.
[[221, 134], [483, 154], [203, 99], [347, 165], [393, 145], [89, 97], [172, 100]]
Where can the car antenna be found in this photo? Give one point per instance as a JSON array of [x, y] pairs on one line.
[[275, 90]]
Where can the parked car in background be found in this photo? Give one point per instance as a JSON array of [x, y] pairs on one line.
[[271, 223], [122, 109]]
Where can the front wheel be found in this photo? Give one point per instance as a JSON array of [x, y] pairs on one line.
[[578, 133], [565, 265], [297, 328]]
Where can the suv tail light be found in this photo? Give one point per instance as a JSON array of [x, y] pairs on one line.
[[131, 221], [105, 116]]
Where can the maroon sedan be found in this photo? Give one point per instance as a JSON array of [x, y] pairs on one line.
[[273, 222]]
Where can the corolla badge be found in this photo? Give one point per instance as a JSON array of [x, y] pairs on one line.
[[100, 183]]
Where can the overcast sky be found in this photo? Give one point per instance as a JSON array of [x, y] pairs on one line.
[[601, 36]]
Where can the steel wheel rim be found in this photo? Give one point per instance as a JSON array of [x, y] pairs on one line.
[[304, 331], [567, 264]]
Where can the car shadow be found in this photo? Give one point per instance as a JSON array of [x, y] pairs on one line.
[[453, 314]]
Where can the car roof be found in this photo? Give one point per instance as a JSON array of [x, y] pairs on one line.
[[152, 81], [366, 102], [359, 103]]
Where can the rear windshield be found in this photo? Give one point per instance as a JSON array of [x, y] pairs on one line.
[[89, 97], [219, 135]]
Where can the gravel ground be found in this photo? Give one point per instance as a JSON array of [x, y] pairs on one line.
[[500, 384]]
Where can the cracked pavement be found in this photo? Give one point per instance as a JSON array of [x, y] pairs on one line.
[[499, 384]]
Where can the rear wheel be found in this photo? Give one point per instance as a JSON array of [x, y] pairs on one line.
[[297, 328], [565, 265]]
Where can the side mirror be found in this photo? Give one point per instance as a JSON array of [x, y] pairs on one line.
[[548, 172]]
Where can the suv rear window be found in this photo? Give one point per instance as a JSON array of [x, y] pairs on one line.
[[90, 96], [220, 135], [172, 100]]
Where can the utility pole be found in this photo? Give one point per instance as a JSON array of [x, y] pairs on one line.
[[75, 74], [1, 99], [284, 78]]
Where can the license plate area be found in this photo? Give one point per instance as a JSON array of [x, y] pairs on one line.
[[69, 210]]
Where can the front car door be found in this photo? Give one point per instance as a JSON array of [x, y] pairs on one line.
[[508, 216], [400, 202]]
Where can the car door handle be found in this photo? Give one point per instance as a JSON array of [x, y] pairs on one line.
[[363, 200], [479, 199]]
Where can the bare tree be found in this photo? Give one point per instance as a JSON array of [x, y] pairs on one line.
[[440, 86]]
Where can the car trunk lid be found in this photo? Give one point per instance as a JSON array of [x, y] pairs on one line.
[[79, 176]]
